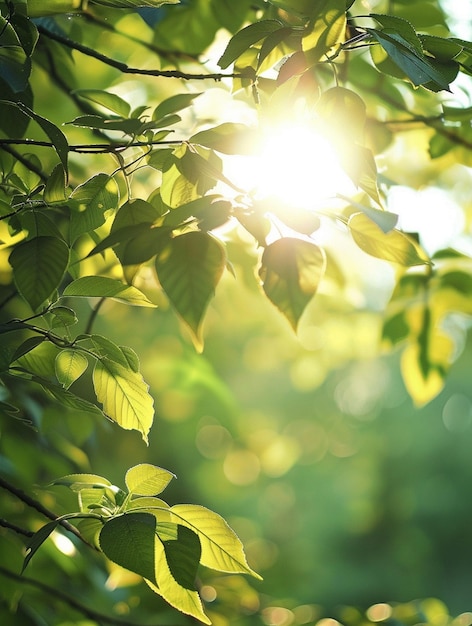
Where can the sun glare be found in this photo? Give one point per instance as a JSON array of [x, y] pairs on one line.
[[296, 165]]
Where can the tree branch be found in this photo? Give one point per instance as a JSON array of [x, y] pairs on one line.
[[35, 504], [125, 69], [97, 148], [20, 531], [6, 146], [63, 597]]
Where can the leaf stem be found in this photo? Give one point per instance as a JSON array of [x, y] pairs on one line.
[[93, 315]]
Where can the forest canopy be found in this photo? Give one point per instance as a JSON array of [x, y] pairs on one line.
[[234, 249]]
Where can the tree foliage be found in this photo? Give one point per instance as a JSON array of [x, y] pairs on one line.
[[120, 190]]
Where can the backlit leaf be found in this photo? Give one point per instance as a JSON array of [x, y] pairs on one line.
[[189, 269], [55, 190], [147, 480], [90, 202], [393, 246], [124, 396], [291, 270], [103, 287], [128, 540], [70, 365], [185, 600], [76, 482], [174, 104], [221, 548], [38, 268], [245, 38], [108, 100], [228, 138]]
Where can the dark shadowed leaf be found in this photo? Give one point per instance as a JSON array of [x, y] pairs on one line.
[[37, 540], [182, 549], [189, 269], [291, 270], [128, 540], [38, 267]]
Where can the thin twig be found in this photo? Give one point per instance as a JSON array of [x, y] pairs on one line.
[[6, 146], [63, 597], [167, 54], [35, 504], [126, 69], [94, 148], [93, 315], [20, 531]]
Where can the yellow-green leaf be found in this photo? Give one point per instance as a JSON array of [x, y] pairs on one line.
[[103, 287], [124, 396], [221, 548], [147, 480], [70, 365], [393, 246], [184, 600]]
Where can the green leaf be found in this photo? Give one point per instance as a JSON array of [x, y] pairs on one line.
[[62, 316], [70, 365], [109, 101], [174, 104], [103, 287], [189, 269], [128, 540], [29, 344], [66, 398], [182, 549], [245, 38], [38, 268], [91, 201], [38, 224], [77, 482], [185, 600], [55, 190], [291, 270], [415, 65], [155, 506], [104, 347], [228, 138], [147, 480], [221, 548], [400, 26], [15, 67], [37, 540], [393, 246], [57, 137], [134, 212], [124, 396]]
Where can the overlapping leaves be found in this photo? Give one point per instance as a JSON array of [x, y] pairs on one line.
[[142, 533]]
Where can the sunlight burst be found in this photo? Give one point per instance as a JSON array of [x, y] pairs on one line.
[[296, 165]]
